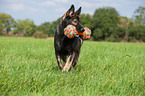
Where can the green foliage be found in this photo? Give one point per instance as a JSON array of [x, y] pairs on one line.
[[105, 19], [28, 67], [6, 22], [39, 34], [53, 27], [25, 27], [139, 15], [86, 20], [48, 28], [137, 33], [97, 34], [44, 27], [106, 25], [1, 25], [117, 34]]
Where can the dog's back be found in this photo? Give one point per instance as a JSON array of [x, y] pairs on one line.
[[65, 46]]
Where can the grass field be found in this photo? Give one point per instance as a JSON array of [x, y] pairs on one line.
[[28, 67]]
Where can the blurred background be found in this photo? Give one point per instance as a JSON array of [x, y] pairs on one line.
[[109, 20]]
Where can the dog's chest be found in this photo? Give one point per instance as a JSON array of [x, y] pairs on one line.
[[68, 44]]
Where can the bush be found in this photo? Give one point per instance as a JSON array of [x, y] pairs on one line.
[[39, 34], [137, 33], [97, 34], [3, 32]]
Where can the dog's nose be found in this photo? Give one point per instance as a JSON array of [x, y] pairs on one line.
[[82, 29]]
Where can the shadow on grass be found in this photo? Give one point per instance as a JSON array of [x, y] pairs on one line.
[[55, 68]]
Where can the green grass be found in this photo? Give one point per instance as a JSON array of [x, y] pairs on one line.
[[28, 67]]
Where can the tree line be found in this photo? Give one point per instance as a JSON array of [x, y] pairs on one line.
[[106, 25]]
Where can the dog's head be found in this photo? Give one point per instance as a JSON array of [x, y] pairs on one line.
[[73, 18]]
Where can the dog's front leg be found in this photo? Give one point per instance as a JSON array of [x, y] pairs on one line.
[[59, 62], [67, 63], [72, 59]]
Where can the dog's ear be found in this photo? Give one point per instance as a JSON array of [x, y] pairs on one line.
[[78, 11], [70, 12]]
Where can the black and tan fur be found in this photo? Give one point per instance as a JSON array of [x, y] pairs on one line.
[[66, 48]]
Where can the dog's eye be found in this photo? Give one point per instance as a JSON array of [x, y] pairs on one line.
[[68, 17], [75, 21]]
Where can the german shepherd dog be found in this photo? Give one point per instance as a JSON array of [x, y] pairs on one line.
[[66, 48]]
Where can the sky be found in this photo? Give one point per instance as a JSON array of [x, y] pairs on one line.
[[41, 11]]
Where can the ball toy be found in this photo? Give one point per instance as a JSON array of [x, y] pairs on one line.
[[86, 34], [70, 31]]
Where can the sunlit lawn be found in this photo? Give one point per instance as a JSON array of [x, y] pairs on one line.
[[28, 67]]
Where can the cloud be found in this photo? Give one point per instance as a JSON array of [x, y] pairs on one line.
[[52, 9], [53, 2], [90, 7], [21, 7], [62, 1], [10, 1], [98, 3], [16, 7], [62, 10], [89, 12], [32, 9], [87, 4], [48, 3]]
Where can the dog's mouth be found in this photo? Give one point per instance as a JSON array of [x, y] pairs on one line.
[[80, 29]]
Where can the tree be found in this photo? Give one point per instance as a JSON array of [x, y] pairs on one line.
[[53, 27], [104, 22], [24, 27], [1, 25], [117, 34], [137, 33], [139, 15], [6, 22], [85, 20], [126, 23], [44, 27]]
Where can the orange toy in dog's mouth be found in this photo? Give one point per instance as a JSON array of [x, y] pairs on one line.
[[70, 31]]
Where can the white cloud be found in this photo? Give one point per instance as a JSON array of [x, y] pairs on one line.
[[87, 4], [89, 12], [61, 10], [10, 1], [98, 4], [21, 7], [16, 7], [53, 2], [62, 1], [90, 7], [48, 3], [32, 9], [52, 9]]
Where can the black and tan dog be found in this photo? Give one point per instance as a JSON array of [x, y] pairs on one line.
[[66, 48]]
